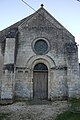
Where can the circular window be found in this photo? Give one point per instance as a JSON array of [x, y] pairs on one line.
[[41, 46]]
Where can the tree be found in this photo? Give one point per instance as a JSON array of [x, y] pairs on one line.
[[78, 0]]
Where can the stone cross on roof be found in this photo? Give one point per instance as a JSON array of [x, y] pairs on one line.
[[42, 5]]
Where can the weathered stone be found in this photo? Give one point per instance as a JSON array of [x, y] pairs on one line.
[[59, 54]]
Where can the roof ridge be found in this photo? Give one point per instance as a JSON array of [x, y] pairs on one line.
[[17, 24]]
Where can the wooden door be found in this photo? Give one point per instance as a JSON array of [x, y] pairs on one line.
[[40, 84]]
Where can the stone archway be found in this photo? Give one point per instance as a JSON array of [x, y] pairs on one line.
[[31, 63], [40, 81]]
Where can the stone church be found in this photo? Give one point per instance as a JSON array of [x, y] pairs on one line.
[[38, 60]]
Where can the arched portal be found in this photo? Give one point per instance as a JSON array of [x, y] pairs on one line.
[[40, 81]]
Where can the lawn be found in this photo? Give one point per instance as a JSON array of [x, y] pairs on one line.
[[68, 115], [73, 112]]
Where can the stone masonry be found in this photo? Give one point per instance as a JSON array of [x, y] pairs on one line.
[[38, 40]]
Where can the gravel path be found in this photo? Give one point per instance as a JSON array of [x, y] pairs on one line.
[[24, 111]]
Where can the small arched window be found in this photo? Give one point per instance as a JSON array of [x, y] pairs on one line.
[[40, 67]]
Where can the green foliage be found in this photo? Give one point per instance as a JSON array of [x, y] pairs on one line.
[[4, 116], [68, 115], [74, 105], [73, 112], [77, 101]]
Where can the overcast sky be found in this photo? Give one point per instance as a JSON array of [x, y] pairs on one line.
[[67, 12]]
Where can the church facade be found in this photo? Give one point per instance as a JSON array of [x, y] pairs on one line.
[[38, 60]]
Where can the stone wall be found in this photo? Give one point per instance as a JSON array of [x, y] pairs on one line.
[[1, 68], [60, 46], [61, 59], [7, 80], [79, 69]]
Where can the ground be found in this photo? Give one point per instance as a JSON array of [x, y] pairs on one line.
[[31, 111]]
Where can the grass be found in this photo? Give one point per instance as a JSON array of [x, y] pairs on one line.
[[75, 105], [4, 116], [68, 115], [74, 101], [73, 112]]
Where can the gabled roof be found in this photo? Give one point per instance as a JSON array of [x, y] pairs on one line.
[[6, 30], [16, 25]]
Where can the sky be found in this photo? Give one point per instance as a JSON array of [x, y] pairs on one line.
[[67, 12]]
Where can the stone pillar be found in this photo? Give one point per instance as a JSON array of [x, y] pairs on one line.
[[73, 71], [1, 67], [7, 90]]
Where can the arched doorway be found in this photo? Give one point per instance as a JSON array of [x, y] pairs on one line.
[[40, 81]]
